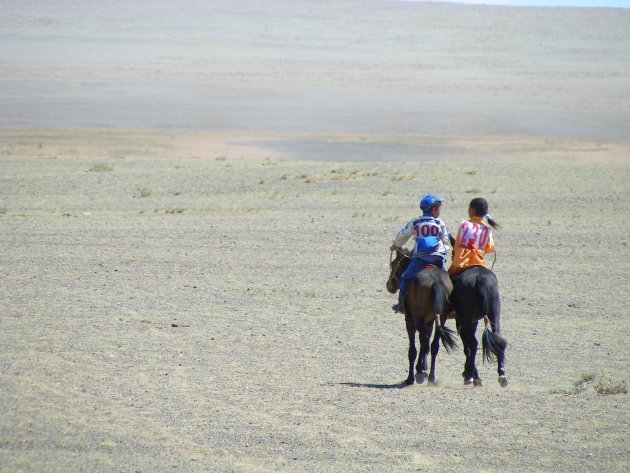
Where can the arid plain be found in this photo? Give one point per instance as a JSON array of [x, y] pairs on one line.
[[196, 205]]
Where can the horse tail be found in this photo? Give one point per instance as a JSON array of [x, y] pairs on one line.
[[440, 297], [440, 302], [493, 344], [485, 297], [447, 335]]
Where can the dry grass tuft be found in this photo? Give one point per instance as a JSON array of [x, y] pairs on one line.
[[144, 191], [603, 384], [404, 177], [100, 168], [607, 385]]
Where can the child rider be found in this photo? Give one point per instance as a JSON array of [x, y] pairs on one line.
[[474, 238], [432, 239]]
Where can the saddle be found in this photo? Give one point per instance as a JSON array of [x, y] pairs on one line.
[[428, 266]]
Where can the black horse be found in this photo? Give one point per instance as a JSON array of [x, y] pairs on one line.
[[476, 296], [427, 303]]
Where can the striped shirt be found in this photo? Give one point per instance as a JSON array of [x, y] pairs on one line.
[[474, 240]]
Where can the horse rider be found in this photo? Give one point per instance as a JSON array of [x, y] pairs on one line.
[[474, 239], [432, 242]]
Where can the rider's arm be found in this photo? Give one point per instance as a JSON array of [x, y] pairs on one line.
[[403, 235], [446, 236], [490, 245]]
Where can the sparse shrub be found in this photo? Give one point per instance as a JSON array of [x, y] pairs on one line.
[[607, 385], [169, 210], [581, 383], [176, 210], [100, 168], [577, 386], [404, 177], [144, 191], [602, 383]]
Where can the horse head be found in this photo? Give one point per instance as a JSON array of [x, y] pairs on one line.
[[397, 265]]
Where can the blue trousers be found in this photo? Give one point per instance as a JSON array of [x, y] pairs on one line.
[[414, 268]]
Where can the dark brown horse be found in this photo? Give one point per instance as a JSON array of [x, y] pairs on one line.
[[427, 304], [475, 297]]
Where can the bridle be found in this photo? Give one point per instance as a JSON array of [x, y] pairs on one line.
[[394, 278]]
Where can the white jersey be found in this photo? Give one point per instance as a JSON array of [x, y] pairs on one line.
[[430, 233]]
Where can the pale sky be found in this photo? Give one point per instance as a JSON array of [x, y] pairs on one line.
[[543, 3]]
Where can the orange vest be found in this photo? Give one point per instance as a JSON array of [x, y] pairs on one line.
[[474, 240]]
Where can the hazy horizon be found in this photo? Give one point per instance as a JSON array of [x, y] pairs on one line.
[[379, 67], [537, 3]]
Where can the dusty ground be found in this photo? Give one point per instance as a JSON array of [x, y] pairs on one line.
[[228, 315], [196, 205]]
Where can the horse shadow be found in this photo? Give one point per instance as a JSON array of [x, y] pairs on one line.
[[400, 385]]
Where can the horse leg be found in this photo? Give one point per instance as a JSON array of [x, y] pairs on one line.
[[464, 337], [473, 355], [424, 334], [464, 334], [435, 348], [469, 339], [497, 345], [411, 333]]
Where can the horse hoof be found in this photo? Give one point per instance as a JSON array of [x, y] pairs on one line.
[[503, 382], [477, 383], [468, 381], [408, 381], [421, 376]]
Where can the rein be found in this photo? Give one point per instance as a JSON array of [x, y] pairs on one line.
[[391, 257], [394, 276]]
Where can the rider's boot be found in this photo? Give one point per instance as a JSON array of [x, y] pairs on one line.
[[399, 306]]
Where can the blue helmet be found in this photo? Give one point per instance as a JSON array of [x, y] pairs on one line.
[[429, 201]]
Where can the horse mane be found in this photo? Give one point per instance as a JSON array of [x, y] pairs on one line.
[[397, 266]]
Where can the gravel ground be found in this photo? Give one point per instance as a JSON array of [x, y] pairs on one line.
[[231, 315]]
